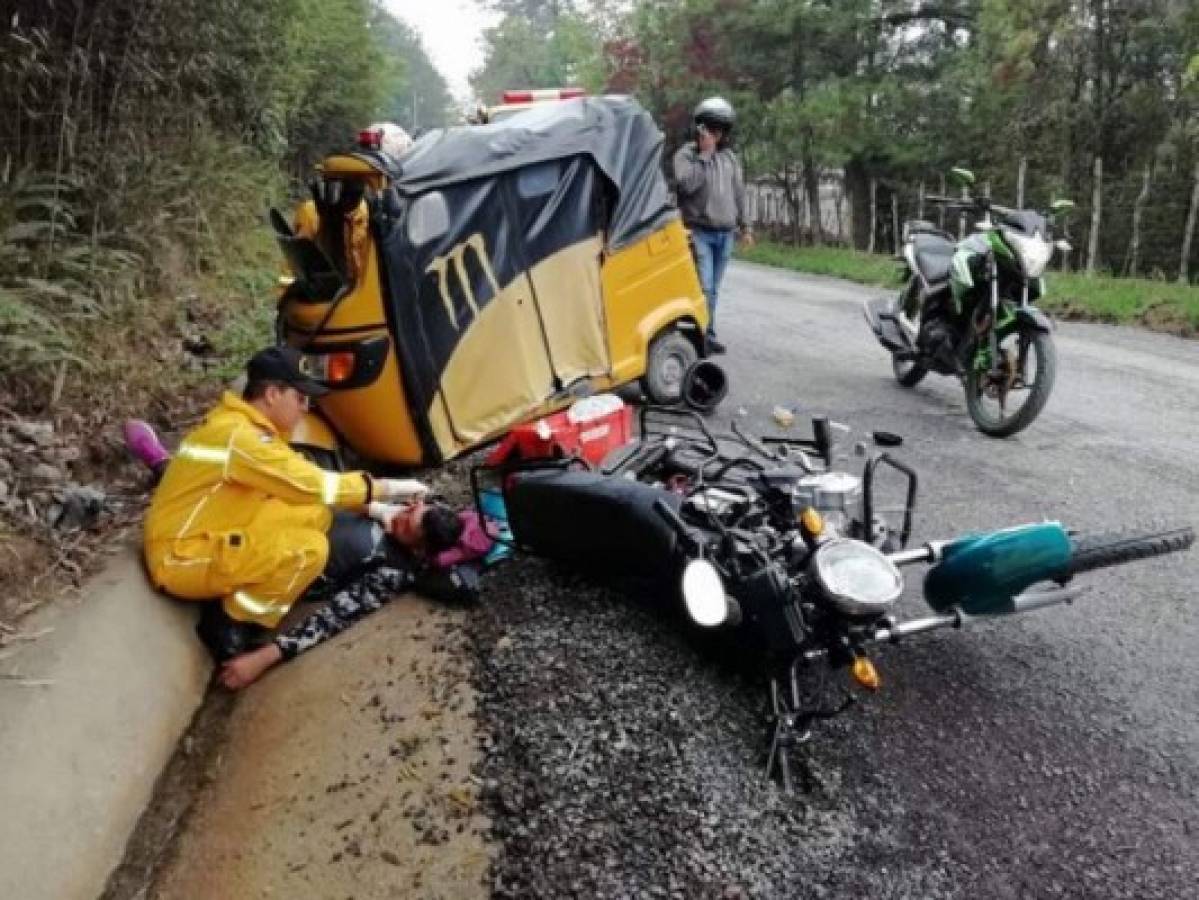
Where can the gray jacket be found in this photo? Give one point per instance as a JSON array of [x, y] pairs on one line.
[[711, 191]]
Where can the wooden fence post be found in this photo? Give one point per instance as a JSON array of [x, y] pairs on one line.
[[1189, 231], [895, 221], [873, 213], [962, 215], [1096, 217], [1138, 208], [941, 207]]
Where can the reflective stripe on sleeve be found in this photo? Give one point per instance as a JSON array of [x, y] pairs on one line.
[[200, 453], [331, 482]]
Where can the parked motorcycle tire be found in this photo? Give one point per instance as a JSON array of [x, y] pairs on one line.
[[1003, 425], [907, 372], [670, 356]]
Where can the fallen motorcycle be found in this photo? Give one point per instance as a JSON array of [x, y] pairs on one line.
[[769, 541]]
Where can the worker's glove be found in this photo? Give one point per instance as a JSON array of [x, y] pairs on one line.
[[401, 490]]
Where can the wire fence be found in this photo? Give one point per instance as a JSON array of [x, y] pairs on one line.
[[1139, 232]]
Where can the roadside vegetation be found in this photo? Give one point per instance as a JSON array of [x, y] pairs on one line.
[[1157, 304], [143, 143]]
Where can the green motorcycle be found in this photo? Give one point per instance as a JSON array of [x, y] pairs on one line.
[[968, 309]]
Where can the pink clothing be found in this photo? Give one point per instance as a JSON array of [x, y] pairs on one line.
[[473, 545]]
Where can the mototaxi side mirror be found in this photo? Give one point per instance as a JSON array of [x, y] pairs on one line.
[[703, 595], [961, 177]]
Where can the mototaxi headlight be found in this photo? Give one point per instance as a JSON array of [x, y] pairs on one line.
[[1032, 252], [857, 578]]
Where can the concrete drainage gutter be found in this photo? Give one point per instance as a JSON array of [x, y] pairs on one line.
[[90, 713]]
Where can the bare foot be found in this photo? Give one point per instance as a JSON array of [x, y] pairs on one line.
[[243, 670]]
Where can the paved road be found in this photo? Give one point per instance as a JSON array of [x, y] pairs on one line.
[[1057, 752]]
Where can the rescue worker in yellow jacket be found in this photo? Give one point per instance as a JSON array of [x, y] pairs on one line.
[[242, 518]]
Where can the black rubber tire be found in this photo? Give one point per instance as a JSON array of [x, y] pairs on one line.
[[1041, 344], [1115, 548], [908, 374], [670, 356]]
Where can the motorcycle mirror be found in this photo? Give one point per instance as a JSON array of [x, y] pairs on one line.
[[703, 594], [704, 385], [961, 177]]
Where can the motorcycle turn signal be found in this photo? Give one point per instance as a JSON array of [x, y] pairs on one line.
[[865, 674]]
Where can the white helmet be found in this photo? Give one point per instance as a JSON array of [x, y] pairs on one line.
[[715, 112], [393, 140]]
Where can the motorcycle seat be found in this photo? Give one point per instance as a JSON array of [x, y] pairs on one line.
[[598, 523], [913, 227], [934, 254]]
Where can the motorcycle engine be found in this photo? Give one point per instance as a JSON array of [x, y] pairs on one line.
[[938, 340], [835, 495]]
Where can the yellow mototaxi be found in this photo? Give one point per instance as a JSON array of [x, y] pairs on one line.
[[488, 276]]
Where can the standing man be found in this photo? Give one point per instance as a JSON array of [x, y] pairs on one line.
[[711, 192]]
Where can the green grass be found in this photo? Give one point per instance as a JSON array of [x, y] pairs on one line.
[[1159, 305]]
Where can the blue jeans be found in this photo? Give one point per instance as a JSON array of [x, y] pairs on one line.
[[713, 247]]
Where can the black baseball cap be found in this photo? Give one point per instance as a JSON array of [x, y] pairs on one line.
[[287, 365]]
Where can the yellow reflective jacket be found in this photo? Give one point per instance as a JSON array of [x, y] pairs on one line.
[[236, 473]]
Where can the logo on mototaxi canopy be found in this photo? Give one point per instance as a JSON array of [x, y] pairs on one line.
[[454, 260]]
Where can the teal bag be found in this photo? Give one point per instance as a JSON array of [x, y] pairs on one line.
[[981, 573]]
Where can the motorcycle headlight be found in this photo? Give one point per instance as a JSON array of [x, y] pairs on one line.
[[1032, 252], [857, 578], [703, 595]]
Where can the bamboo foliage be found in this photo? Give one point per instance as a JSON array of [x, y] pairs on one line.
[[143, 138]]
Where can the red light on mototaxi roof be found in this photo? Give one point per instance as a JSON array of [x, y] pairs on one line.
[[339, 367], [542, 94], [370, 138]]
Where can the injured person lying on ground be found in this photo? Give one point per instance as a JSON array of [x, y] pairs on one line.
[[243, 521], [401, 547]]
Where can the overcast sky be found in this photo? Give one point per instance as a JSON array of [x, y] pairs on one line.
[[451, 30]]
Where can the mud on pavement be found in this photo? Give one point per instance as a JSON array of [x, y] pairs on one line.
[[346, 773]]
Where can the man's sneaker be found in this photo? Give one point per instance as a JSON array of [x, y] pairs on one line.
[[715, 346], [143, 442]]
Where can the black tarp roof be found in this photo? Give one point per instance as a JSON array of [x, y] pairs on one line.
[[617, 134]]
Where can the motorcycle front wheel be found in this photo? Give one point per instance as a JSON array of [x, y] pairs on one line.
[[1005, 399]]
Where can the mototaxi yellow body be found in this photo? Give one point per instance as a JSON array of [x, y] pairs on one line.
[[491, 275]]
